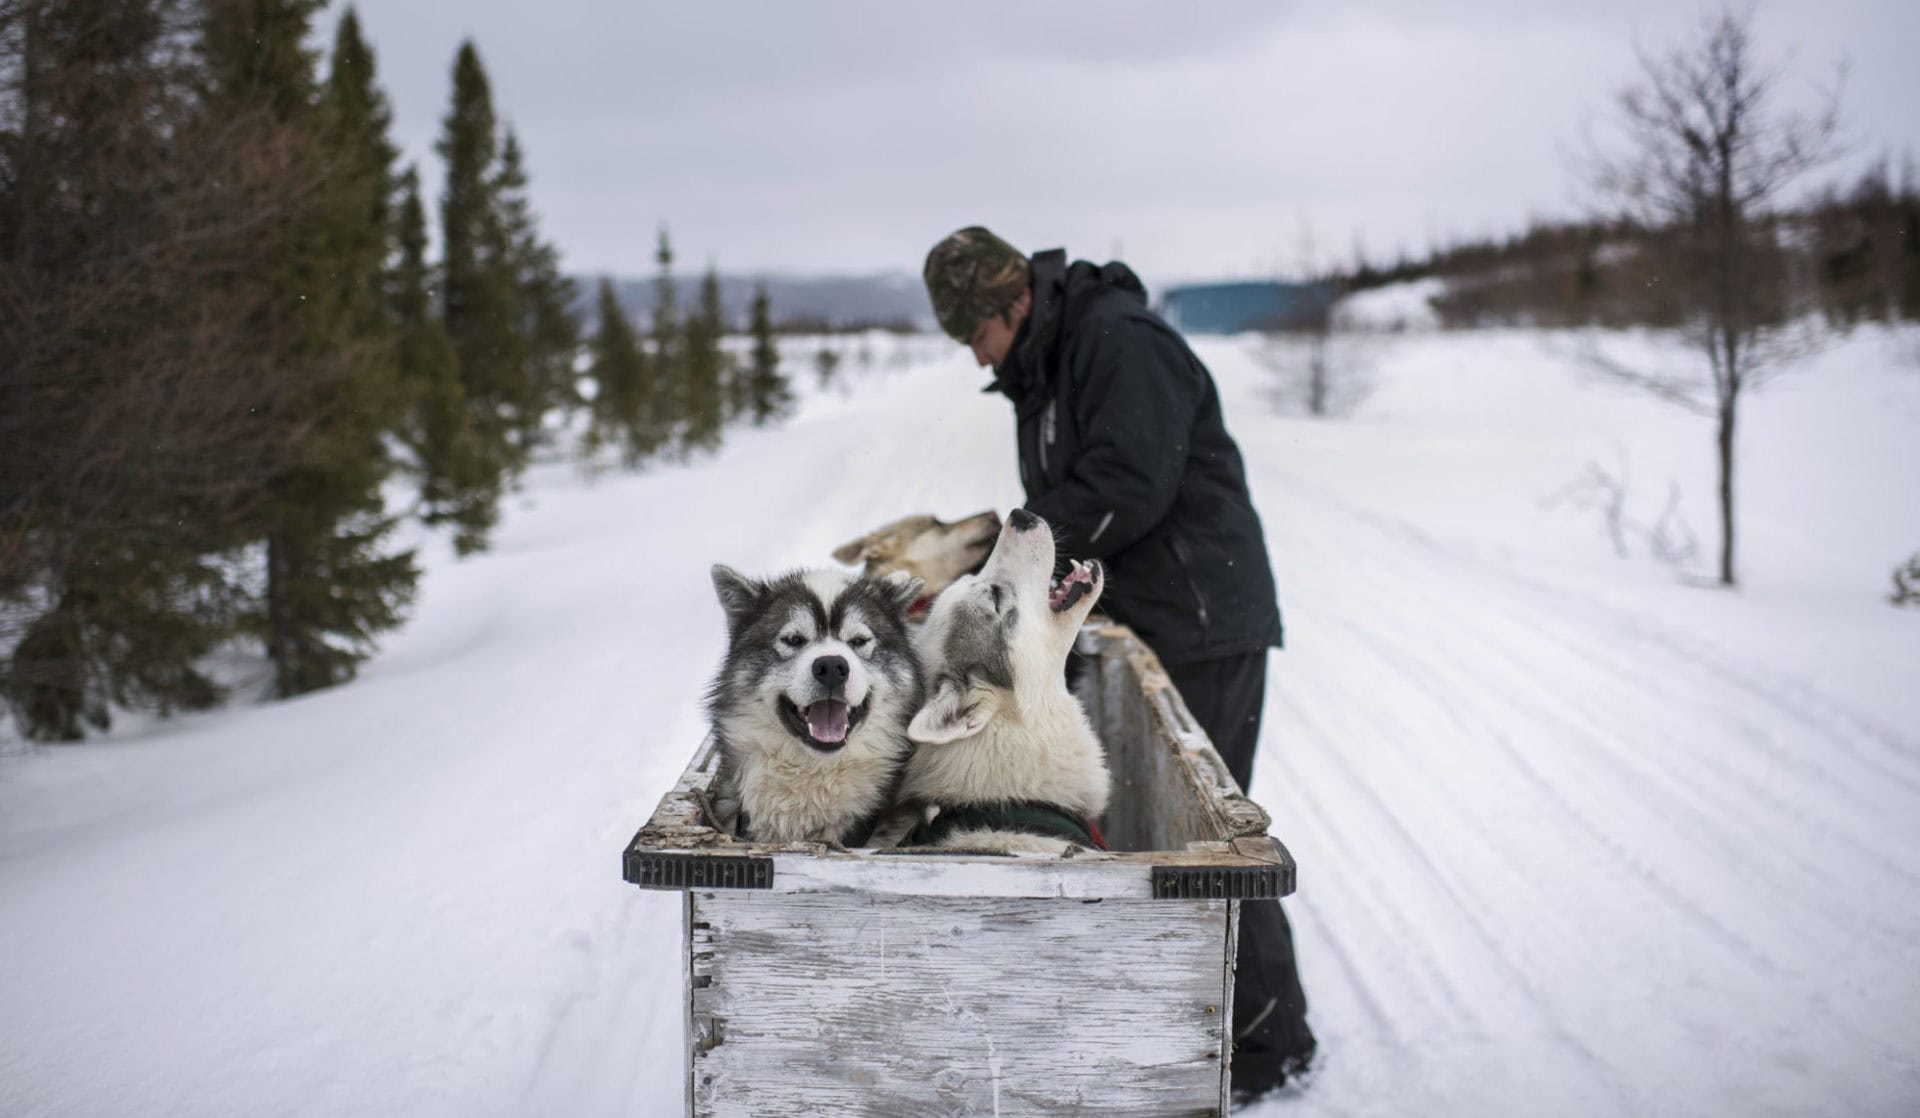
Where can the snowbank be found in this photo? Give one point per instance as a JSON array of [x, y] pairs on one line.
[[1576, 835]]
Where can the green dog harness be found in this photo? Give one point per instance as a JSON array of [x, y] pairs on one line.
[[1026, 816]]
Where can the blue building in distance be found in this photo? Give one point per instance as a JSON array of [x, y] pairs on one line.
[[1230, 308]]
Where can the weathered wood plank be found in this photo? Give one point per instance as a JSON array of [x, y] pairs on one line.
[[1178, 789], [686, 1008], [1230, 958], [1087, 877], [1139, 772], [909, 1006]]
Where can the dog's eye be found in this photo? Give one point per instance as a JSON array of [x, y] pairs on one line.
[[859, 642], [995, 587], [793, 640]]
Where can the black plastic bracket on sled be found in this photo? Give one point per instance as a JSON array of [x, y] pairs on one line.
[[698, 871], [1219, 883]]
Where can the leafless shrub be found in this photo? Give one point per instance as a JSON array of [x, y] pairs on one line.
[[1600, 491], [1669, 539], [1607, 493]]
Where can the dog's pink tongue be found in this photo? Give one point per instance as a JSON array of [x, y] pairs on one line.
[[827, 720]]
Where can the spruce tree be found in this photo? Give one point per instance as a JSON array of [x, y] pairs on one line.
[[739, 383], [622, 411], [459, 483], [669, 349], [255, 56], [770, 395], [139, 414], [1906, 583], [549, 333], [705, 369], [330, 585], [480, 304]]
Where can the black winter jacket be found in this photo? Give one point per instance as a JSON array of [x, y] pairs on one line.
[[1124, 452]]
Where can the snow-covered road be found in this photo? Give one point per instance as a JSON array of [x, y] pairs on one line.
[[1575, 837], [1571, 855]]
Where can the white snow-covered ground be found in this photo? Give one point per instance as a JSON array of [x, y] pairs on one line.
[[1578, 834]]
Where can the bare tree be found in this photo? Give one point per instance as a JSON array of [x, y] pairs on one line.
[[1317, 362], [1707, 154], [1323, 364]]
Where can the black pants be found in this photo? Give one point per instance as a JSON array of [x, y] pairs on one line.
[[1226, 697]]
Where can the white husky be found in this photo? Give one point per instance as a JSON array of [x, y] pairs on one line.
[[810, 705], [1006, 757]]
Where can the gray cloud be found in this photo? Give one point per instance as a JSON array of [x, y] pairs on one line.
[[1201, 139]]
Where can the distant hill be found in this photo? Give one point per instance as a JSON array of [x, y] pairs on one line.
[[887, 298]]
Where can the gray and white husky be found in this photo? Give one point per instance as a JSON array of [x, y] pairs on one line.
[[1006, 758], [811, 703]]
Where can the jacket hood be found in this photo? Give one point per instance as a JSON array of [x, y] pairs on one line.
[[1061, 293]]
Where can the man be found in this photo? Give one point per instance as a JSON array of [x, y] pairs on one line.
[[1123, 450]]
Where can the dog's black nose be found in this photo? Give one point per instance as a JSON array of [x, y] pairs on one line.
[[831, 671], [1022, 520]]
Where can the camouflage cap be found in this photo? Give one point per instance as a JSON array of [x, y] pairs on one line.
[[971, 276]]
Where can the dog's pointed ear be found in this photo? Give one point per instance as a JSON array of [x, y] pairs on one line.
[[739, 595], [902, 590], [853, 552], [953, 712]]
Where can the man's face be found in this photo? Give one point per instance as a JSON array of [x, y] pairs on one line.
[[992, 339]]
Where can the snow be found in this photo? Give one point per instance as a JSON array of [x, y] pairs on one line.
[[1578, 834]]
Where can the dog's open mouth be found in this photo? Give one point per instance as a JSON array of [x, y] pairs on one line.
[[1080, 580], [823, 724]]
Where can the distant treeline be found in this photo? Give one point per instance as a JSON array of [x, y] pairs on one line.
[[893, 302], [222, 343], [1853, 253]]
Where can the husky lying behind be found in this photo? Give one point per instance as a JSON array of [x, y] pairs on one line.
[[811, 703], [1006, 757], [926, 548]]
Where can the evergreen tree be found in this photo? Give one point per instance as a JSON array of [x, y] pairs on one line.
[[739, 384], [158, 380], [826, 364], [479, 297], [330, 587], [549, 333], [1906, 583], [459, 484], [255, 55], [622, 410], [705, 369], [769, 395], [669, 353]]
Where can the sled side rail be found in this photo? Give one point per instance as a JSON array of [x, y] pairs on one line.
[[1245, 869], [1180, 827], [1170, 788]]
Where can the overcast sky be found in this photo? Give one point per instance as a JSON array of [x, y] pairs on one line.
[[1205, 139]]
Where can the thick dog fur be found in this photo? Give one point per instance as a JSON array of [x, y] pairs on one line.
[[999, 725], [926, 548], [797, 645]]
